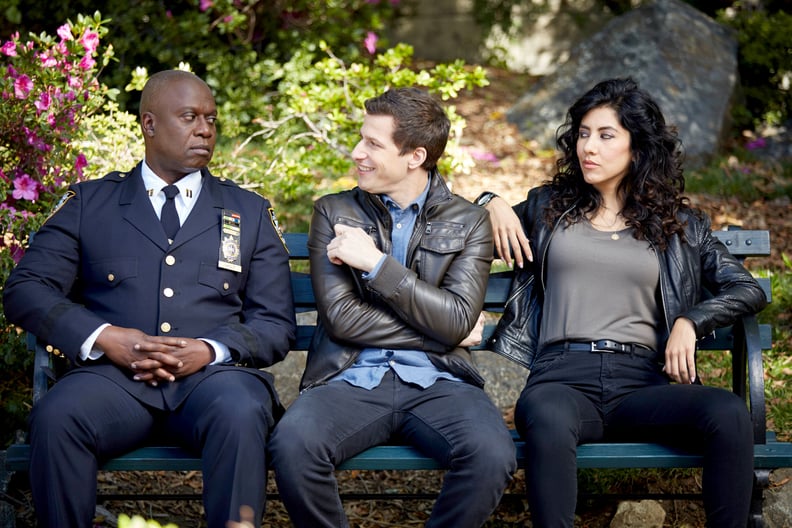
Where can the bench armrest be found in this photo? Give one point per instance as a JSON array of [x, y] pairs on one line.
[[747, 353]]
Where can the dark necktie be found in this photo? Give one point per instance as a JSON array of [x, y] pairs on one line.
[[168, 216]]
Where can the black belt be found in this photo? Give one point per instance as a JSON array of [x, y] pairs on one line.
[[603, 345]]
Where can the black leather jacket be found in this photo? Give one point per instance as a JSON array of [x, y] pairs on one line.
[[430, 305], [687, 269]]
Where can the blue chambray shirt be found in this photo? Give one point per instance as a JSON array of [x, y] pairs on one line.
[[412, 366]]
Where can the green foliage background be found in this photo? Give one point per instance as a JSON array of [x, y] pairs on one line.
[[290, 111]]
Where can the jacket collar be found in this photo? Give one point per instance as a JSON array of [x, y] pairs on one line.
[[137, 210], [438, 193]]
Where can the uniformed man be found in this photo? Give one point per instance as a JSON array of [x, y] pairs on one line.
[[166, 289]]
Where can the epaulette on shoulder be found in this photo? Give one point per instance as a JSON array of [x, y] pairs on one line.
[[117, 175]]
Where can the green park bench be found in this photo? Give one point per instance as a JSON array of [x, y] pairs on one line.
[[746, 340]]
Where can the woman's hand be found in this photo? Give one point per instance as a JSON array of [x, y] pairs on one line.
[[508, 233], [680, 353]]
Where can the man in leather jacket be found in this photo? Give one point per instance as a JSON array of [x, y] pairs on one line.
[[400, 267]]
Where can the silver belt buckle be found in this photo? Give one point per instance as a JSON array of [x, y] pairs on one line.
[[594, 348]]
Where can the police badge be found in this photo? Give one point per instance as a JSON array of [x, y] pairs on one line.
[[231, 228]]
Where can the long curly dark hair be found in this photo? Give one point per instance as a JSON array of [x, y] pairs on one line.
[[654, 183]]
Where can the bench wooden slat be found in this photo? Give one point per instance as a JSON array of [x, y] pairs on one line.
[[770, 455]]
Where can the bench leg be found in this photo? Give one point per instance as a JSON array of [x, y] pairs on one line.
[[761, 483]]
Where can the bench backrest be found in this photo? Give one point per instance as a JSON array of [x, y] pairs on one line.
[[742, 244]]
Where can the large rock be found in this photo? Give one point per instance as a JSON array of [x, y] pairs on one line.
[[686, 60], [642, 514], [778, 500]]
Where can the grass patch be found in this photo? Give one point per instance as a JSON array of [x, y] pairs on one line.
[[743, 176]]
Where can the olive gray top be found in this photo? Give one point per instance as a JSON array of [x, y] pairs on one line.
[[600, 285]]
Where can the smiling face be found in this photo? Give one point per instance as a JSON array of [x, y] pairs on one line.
[[603, 148], [179, 126], [381, 169]]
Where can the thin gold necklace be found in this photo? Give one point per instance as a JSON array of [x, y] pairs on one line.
[[614, 236]]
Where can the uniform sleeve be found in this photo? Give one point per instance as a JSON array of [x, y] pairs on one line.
[[36, 294]]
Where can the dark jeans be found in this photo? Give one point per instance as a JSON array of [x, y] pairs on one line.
[[453, 422], [573, 398], [85, 418]]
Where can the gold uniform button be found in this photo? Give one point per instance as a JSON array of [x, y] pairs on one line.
[[167, 292], [50, 348], [226, 285], [110, 277], [170, 260], [165, 327], [57, 352]]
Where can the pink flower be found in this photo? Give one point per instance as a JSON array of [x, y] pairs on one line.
[[25, 188], [482, 155], [204, 5], [9, 48], [74, 82], [64, 32], [756, 144], [43, 102], [17, 252], [22, 86], [62, 49], [370, 43], [87, 62], [90, 41], [47, 60], [80, 163]]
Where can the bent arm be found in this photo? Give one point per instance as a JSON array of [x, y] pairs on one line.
[[396, 309], [36, 294]]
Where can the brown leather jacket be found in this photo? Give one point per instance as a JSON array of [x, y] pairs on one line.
[[430, 305]]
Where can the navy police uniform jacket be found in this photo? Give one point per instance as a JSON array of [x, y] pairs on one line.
[[103, 257]]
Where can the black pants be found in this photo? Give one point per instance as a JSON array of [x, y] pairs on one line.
[[454, 422], [85, 419], [573, 398]]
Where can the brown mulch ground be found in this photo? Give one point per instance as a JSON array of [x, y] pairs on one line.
[[508, 165]]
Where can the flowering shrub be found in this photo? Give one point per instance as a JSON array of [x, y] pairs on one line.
[[48, 87]]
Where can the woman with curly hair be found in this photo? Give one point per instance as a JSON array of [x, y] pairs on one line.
[[608, 328]]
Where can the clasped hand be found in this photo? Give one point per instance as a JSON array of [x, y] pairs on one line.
[[154, 358], [353, 247]]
